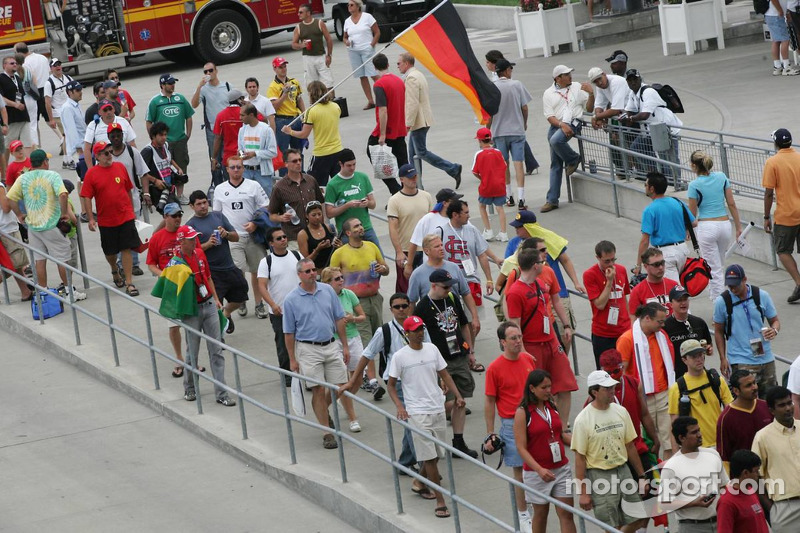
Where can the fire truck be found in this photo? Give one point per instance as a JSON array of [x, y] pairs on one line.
[[90, 36]]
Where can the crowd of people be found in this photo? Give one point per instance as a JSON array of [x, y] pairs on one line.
[[316, 265]]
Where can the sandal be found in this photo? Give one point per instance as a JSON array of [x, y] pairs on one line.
[[118, 279], [369, 106], [329, 442], [424, 493], [477, 367], [178, 372], [441, 512], [131, 290]]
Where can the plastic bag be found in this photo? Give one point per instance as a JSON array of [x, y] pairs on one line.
[[384, 162], [298, 398]]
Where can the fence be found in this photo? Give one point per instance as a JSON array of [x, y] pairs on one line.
[[239, 358]]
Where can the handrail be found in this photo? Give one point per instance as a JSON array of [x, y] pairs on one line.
[[190, 366]]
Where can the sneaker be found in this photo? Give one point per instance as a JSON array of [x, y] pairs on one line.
[[183, 200], [522, 205], [572, 167], [525, 521], [457, 177], [547, 207], [791, 71], [190, 396], [371, 387], [364, 382], [242, 309], [510, 201], [84, 218], [777, 71], [68, 166], [501, 237], [261, 311], [78, 294], [231, 327], [355, 427], [795, 295], [462, 447], [136, 271], [488, 235], [227, 401], [378, 394]]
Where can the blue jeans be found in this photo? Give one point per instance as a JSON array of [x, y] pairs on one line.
[[135, 256], [408, 455], [266, 182], [561, 154], [644, 146], [369, 235], [284, 141], [417, 145], [210, 142]]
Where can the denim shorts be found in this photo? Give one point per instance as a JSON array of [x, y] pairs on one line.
[[510, 455], [357, 57], [778, 31], [494, 200], [511, 143]]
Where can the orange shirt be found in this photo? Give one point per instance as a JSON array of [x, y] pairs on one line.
[[782, 173], [625, 347]]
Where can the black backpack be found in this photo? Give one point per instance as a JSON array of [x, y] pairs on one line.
[[755, 295], [668, 94], [269, 262], [760, 6], [685, 407], [387, 343]]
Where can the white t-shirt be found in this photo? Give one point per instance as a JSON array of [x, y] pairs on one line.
[[772, 12], [794, 377], [360, 35], [98, 131], [263, 105], [282, 275], [464, 245], [39, 67], [8, 221], [650, 101], [616, 93], [252, 139], [430, 223], [418, 370], [57, 91], [239, 203], [564, 103], [685, 477], [141, 170]]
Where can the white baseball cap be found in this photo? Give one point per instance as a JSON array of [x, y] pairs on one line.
[[561, 69], [601, 378], [594, 73]]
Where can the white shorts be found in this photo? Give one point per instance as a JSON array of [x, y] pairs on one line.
[[315, 69], [51, 242], [356, 348], [433, 424], [556, 488]]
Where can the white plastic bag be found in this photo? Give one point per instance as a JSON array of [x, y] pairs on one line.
[[298, 398], [384, 162]]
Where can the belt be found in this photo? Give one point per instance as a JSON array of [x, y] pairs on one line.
[[317, 343], [670, 244], [286, 116], [711, 520], [252, 167]]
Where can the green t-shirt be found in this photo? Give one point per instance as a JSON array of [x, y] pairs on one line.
[[40, 189], [341, 190], [172, 111], [349, 301]]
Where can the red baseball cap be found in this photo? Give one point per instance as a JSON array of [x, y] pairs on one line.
[[413, 323], [278, 61], [99, 147], [114, 126], [14, 146], [484, 133], [187, 232]]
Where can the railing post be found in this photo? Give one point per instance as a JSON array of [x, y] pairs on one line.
[[72, 308], [37, 295], [195, 377], [289, 432], [574, 350], [239, 390], [398, 495], [452, 479], [150, 346], [723, 155], [612, 175], [5, 288], [81, 253], [514, 508], [111, 328], [338, 432]]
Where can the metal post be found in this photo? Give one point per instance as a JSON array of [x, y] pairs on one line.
[[150, 345], [37, 294], [452, 478], [81, 254], [723, 155], [613, 178], [337, 431], [574, 349], [395, 474], [239, 390], [72, 307], [111, 328], [195, 375], [514, 508], [289, 433], [5, 288]]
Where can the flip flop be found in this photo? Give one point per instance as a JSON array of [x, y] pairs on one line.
[[369, 106], [477, 367], [178, 372], [441, 512], [424, 493]]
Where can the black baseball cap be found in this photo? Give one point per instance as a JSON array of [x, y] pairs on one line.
[[503, 64], [442, 276], [446, 195], [617, 55]]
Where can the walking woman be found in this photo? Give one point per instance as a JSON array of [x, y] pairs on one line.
[[323, 120], [708, 194], [353, 313], [316, 241], [361, 34], [541, 441]]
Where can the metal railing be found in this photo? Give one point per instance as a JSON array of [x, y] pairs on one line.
[[239, 357]]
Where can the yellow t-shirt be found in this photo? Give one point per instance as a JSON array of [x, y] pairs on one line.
[[706, 413], [325, 121], [601, 436], [289, 106], [355, 263]]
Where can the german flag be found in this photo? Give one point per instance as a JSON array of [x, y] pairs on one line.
[[439, 41]]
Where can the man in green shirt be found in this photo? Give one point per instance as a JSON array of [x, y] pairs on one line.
[[349, 195], [176, 112]]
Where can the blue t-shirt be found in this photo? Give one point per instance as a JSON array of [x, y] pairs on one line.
[[711, 189], [663, 221], [219, 257], [312, 316], [512, 246], [746, 324], [419, 284]]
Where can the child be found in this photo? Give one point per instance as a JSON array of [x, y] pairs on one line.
[[490, 167], [20, 164]]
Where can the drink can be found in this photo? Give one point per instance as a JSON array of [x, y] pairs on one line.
[[373, 269], [217, 236], [593, 167]]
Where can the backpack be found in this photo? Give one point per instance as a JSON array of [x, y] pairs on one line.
[[387, 343], [760, 6], [755, 295], [685, 407], [668, 94], [53, 87], [269, 262]]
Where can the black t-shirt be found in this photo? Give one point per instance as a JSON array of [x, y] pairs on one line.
[[12, 89], [444, 319], [694, 328]]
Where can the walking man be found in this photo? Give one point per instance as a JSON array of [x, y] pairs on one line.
[[681, 327], [741, 419], [176, 112], [390, 116], [18, 123], [296, 189], [55, 96], [349, 194], [257, 144], [214, 94], [226, 133], [285, 94], [655, 287], [405, 208], [312, 37], [72, 122]]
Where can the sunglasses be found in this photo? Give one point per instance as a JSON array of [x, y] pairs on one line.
[[280, 238], [338, 278], [308, 271], [114, 79], [235, 167], [208, 71], [657, 264], [105, 152], [400, 306]]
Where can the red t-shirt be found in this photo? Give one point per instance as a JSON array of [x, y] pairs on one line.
[[491, 167], [163, 246], [228, 124], [646, 292], [740, 513], [505, 380], [547, 280], [202, 273], [736, 428], [390, 92], [541, 434], [524, 301], [16, 168], [124, 97], [595, 281], [109, 187]]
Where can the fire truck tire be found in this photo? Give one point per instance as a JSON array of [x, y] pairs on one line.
[[383, 24], [223, 36], [179, 55], [338, 25]]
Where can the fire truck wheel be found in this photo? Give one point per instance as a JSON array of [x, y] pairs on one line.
[[383, 24], [338, 24], [223, 36]]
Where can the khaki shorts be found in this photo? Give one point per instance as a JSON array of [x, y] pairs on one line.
[[19, 131], [458, 369], [558, 488], [323, 363], [16, 251], [316, 70], [51, 242], [658, 405], [608, 506], [247, 254], [567, 302], [434, 425]]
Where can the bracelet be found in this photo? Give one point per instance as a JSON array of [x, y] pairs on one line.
[[766, 217], [146, 194]]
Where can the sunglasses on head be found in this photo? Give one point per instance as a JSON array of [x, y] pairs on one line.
[[400, 306], [312, 203]]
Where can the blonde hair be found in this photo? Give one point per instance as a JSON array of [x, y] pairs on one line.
[[327, 274], [359, 4], [428, 239], [702, 161], [316, 91]]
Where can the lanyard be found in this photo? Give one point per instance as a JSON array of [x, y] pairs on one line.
[[746, 310], [564, 97], [547, 418], [403, 337]]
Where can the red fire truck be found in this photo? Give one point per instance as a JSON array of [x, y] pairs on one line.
[[93, 35]]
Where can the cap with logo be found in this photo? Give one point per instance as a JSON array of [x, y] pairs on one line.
[[677, 292], [691, 347], [445, 195], [187, 232], [234, 95], [110, 83], [413, 323], [14, 146], [278, 61], [442, 276], [408, 171], [503, 64], [561, 70], [782, 137], [632, 73], [115, 126], [99, 147], [600, 378], [172, 208], [522, 218], [734, 275], [54, 61], [484, 134], [105, 104], [594, 73], [38, 157], [74, 85], [167, 79], [617, 55]]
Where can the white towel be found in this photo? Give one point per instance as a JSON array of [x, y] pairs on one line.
[[644, 362]]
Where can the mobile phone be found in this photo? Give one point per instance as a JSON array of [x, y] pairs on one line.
[[709, 498]]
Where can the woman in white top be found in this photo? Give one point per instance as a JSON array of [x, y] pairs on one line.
[[361, 33]]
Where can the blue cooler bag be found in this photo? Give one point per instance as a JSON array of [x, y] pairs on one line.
[[51, 306]]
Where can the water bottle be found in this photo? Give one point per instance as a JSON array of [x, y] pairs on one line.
[[210, 194], [581, 46], [593, 167], [685, 405], [292, 213]]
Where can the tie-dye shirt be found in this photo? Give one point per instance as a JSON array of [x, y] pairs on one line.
[[40, 190]]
